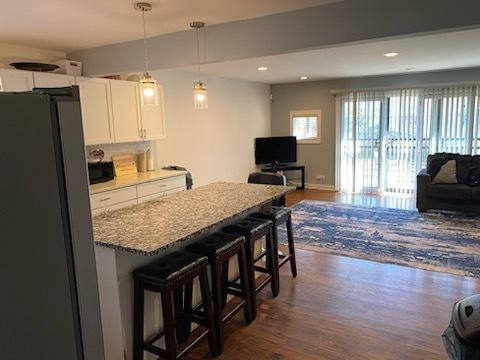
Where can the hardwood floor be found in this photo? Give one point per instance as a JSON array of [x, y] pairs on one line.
[[399, 202], [345, 308]]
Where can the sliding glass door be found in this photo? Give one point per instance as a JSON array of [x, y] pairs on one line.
[[401, 133], [361, 142], [386, 136]]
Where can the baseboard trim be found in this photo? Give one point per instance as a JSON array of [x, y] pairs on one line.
[[316, 186]]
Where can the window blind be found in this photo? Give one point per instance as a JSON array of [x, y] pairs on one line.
[[386, 136], [305, 127]]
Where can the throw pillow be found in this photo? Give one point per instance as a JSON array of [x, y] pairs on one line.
[[447, 173]]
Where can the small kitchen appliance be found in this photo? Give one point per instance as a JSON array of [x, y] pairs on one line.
[[100, 172]]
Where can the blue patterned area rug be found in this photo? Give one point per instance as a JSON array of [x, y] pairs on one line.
[[443, 242]]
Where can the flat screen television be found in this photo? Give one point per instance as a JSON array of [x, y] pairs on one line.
[[275, 150]]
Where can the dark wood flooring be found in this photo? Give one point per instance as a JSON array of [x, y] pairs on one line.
[[345, 308]]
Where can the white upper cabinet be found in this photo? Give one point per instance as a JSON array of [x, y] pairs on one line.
[[153, 119], [47, 80], [126, 110], [96, 110], [111, 109], [15, 80]]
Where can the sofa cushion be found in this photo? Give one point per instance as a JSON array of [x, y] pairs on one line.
[[476, 193], [464, 165], [451, 191], [474, 178]]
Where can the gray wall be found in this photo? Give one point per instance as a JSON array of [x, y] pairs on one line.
[[312, 28], [319, 159]]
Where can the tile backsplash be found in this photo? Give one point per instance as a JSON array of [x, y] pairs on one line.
[[118, 149]]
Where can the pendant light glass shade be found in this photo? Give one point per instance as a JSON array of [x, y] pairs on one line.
[[149, 91], [200, 96]]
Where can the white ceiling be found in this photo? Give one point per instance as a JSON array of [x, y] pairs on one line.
[[416, 54], [69, 25]]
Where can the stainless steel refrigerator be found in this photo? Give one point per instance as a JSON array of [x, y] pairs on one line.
[[49, 306]]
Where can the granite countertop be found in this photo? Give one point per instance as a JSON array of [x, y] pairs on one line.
[[149, 227], [134, 179]]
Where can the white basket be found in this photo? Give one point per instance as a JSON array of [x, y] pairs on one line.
[[69, 67]]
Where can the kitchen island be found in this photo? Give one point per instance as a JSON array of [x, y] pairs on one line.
[[133, 236]]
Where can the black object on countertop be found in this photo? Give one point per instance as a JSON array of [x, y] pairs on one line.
[[100, 172], [188, 175]]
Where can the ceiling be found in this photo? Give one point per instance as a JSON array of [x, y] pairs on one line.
[[69, 25], [416, 54]]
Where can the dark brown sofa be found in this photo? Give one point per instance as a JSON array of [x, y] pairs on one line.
[[463, 196]]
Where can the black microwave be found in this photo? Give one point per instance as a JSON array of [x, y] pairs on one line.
[[100, 172]]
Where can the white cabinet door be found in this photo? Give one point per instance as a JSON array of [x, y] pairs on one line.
[[47, 80], [153, 119], [96, 110], [126, 110], [15, 80]]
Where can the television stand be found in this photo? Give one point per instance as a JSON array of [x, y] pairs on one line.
[[275, 165], [286, 167]]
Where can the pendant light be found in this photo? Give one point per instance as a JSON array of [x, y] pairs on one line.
[[200, 96], [148, 86]]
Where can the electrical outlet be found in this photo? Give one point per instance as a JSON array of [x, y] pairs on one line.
[[320, 178]]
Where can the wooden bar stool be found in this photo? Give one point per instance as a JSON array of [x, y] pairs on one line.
[[167, 276], [219, 248], [281, 215], [255, 229]]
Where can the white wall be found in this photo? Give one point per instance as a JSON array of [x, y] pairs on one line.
[[216, 143], [11, 53]]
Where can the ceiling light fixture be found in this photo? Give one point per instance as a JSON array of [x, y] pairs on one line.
[[390, 54], [148, 86], [304, 78], [200, 96], [262, 68]]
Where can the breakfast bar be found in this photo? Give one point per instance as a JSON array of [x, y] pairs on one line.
[[134, 236]]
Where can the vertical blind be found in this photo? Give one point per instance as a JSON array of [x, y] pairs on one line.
[[386, 136]]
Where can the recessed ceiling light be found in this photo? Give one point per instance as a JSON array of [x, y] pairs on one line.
[[262, 68], [304, 78], [390, 54]]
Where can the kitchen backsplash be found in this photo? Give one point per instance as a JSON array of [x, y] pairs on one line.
[[118, 149]]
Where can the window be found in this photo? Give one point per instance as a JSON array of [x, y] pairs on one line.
[[305, 125], [386, 136]]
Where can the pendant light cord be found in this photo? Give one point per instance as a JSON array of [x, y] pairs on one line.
[[204, 44], [198, 53], [145, 51]]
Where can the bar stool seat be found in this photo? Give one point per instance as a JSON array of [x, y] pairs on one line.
[[250, 226], [219, 248], [273, 213], [215, 244], [169, 275], [281, 215], [169, 268], [254, 229]]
